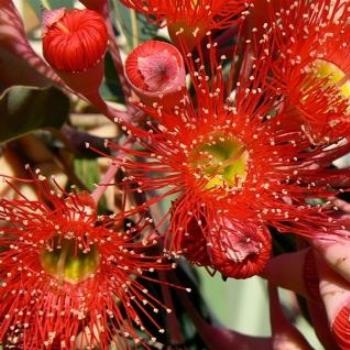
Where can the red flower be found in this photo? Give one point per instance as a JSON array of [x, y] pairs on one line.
[[311, 65], [69, 278], [232, 161], [194, 18]]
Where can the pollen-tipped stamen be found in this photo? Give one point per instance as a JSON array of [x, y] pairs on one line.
[[334, 76]]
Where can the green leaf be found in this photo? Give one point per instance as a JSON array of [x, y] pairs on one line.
[[134, 25], [37, 5], [24, 109], [19, 63], [111, 89], [88, 171]]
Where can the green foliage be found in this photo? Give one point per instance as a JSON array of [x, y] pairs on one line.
[[24, 109], [134, 26], [111, 88], [88, 171], [37, 5]]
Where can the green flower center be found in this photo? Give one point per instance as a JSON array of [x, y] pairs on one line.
[[222, 161], [68, 263]]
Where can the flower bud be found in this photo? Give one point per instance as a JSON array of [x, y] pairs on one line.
[[239, 252], [74, 43], [156, 72]]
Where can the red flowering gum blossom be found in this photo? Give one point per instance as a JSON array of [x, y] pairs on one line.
[[156, 71], [239, 251], [233, 156], [70, 279], [74, 43], [192, 18], [310, 65], [258, 15]]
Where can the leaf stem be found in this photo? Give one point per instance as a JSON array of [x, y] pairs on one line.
[[134, 29]]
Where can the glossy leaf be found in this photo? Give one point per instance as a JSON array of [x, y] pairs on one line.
[[24, 109], [111, 88], [19, 63], [88, 171]]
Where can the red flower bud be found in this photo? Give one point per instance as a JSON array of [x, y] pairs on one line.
[[240, 252], [75, 40], [74, 43], [156, 71]]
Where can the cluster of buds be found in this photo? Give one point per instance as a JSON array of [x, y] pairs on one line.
[[238, 145]]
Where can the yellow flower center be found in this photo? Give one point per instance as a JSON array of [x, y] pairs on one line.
[[333, 75], [68, 263], [222, 161]]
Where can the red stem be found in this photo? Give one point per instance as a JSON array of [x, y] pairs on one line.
[[105, 182], [111, 113], [216, 337], [173, 325]]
